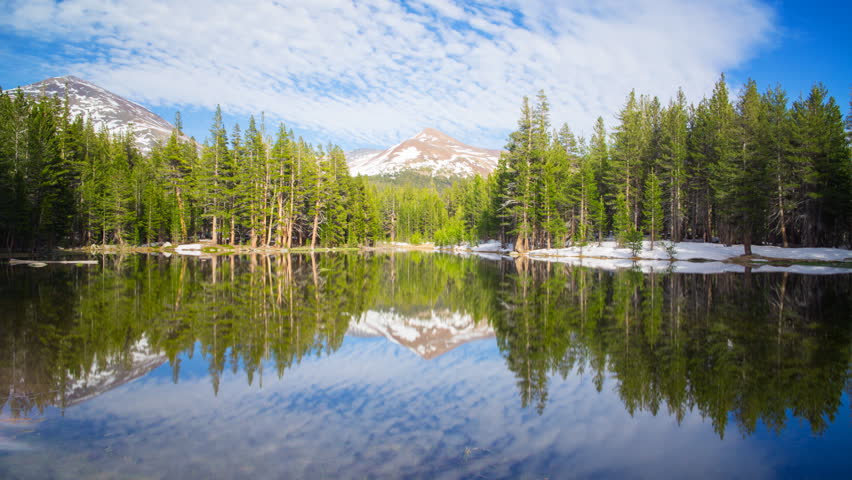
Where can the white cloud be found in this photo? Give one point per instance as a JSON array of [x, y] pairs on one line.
[[373, 409], [370, 71]]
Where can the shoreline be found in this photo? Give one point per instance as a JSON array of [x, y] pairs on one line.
[[685, 257]]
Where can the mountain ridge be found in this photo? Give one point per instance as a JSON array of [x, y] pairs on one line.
[[431, 153], [106, 110]]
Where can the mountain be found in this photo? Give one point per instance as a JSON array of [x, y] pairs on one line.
[[430, 153], [105, 109], [361, 155], [114, 372], [430, 334], [25, 384]]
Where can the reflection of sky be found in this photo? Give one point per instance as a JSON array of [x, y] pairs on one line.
[[374, 409]]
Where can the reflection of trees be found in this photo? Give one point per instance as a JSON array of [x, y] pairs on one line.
[[750, 346], [243, 312]]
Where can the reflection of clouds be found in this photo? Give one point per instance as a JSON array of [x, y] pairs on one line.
[[12, 445], [372, 409]]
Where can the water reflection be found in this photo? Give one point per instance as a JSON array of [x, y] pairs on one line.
[[736, 348]]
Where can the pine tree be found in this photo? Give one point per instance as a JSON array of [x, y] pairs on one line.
[[819, 143], [556, 186], [117, 201], [209, 184], [674, 150], [178, 163], [230, 185], [599, 216], [622, 224], [784, 173], [721, 158], [516, 191], [629, 150], [282, 162], [587, 201], [251, 179], [652, 212], [699, 167], [749, 179], [336, 198]]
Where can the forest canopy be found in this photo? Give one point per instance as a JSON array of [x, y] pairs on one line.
[[749, 168]]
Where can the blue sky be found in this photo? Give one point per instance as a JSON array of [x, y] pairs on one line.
[[369, 73], [374, 409]]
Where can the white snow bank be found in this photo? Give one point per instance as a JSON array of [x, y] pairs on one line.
[[193, 249], [696, 251], [665, 266], [491, 246]]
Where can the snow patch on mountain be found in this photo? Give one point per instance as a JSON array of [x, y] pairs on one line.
[[109, 373], [106, 110], [429, 334], [430, 152]]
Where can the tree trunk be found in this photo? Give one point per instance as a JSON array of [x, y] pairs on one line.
[[280, 221], [269, 226], [782, 219], [315, 228], [180, 213]]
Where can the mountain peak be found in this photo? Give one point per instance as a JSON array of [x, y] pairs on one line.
[[106, 110], [430, 152], [434, 134]]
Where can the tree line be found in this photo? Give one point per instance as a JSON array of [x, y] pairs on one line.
[[747, 170], [752, 169], [64, 183]]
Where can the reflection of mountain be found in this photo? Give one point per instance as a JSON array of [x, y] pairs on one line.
[[430, 334], [140, 359], [26, 390]]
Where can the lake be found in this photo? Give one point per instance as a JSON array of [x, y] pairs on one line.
[[420, 365]]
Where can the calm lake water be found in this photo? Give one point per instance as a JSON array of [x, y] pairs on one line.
[[420, 366]]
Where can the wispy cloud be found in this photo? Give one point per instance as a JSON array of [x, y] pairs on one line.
[[372, 71], [373, 409]]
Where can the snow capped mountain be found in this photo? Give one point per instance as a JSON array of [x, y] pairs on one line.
[[429, 335], [431, 153], [114, 372], [105, 109]]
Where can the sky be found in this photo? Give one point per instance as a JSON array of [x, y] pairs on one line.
[[373, 409], [370, 73]]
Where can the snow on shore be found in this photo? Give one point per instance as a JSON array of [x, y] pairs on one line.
[[689, 257], [665, 266], [696, 251], [609, 257], [491, 246]]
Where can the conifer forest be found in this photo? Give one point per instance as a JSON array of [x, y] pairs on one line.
[[744, 166]]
